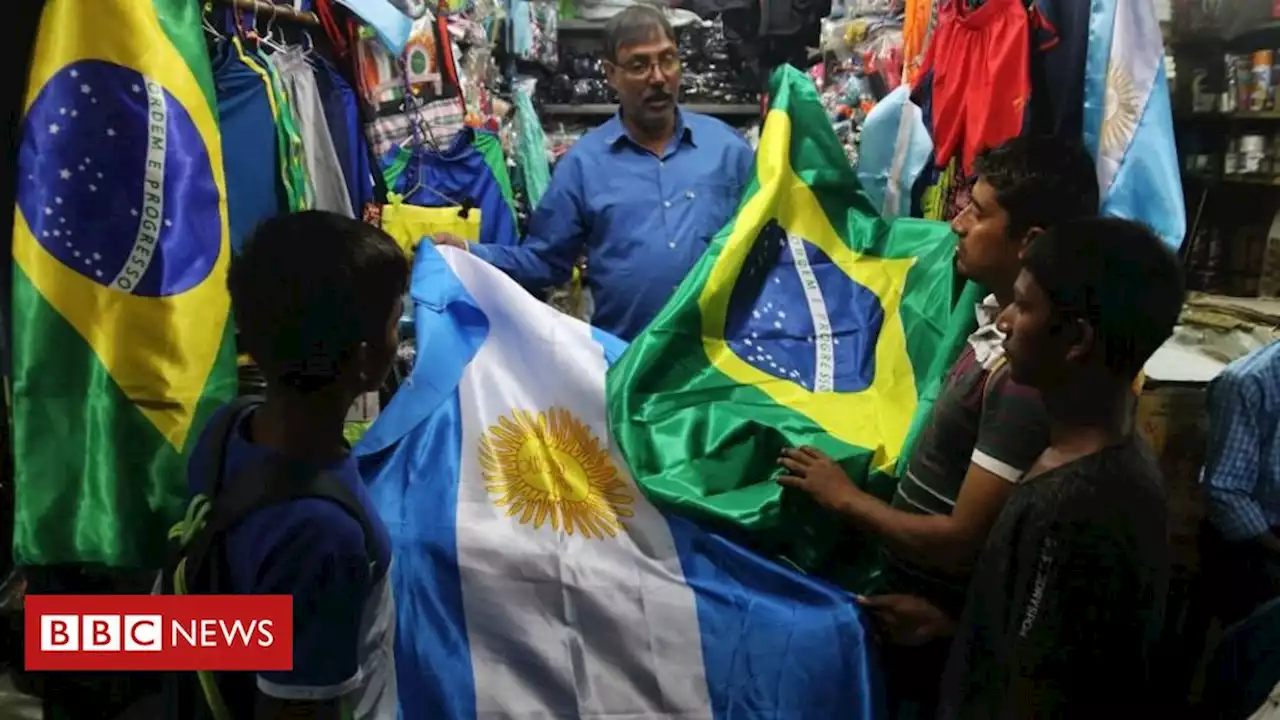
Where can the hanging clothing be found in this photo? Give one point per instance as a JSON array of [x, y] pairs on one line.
[[981, 78], [1060, 34], [293, 171], [471, 169], [343, 118], [328, 188], [917, 20], [250, 156]]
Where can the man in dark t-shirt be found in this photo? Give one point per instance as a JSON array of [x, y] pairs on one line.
[[1066, 600]]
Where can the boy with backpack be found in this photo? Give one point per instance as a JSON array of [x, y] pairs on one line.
[[317, 299]]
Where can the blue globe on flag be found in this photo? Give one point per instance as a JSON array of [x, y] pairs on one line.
[[108, 155], [796, 316]]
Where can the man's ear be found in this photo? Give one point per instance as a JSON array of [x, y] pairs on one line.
[[1032, 234], [1080, 340]]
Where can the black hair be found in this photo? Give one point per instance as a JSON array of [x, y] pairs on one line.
[[1040, 181], [639, 23], [1119, 276], [308, 289]]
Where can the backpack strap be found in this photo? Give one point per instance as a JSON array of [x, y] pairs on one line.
[[271, 482], [218, 434]]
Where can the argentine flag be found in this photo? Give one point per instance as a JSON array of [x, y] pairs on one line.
[[533, 579], [1128, 125]]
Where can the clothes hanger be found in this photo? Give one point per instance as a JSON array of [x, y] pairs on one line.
[[208, 26]]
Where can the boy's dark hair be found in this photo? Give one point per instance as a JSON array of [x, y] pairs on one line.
[[1040, 181], [308, 289], [1117, 274], [639, 23]]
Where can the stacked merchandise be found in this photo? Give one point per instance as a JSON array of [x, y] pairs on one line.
[[863, 62], [710, 73]]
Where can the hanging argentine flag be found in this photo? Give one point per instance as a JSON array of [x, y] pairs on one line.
[[534, 580], [1128, 125]]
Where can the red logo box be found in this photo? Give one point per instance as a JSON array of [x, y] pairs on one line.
[[251, 633]]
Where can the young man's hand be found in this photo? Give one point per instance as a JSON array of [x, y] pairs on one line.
[[810, 470], [444, 238], [908, 620]]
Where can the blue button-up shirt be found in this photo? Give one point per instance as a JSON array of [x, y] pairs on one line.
[[1242, 470], [642, 220]]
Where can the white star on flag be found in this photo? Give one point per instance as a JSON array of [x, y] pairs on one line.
[[65, 174], [93, 188], [53, 129], [111, 132], [62, 111], [75, 73], [136, 88], [85, 89]]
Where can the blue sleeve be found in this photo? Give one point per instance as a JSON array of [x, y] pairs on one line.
[[1231, 468], [744, 161], [324, 566], [557, 233]]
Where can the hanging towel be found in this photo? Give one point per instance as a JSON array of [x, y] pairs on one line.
[[328, 186]]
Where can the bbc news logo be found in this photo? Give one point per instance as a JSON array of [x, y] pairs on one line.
[[159, 632]]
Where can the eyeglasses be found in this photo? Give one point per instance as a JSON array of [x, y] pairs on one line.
[[638, 68]]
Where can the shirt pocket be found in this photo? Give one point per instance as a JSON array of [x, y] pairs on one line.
[[710, 206]]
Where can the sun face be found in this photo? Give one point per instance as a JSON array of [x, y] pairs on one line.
[[549, 468], [1120, 111]]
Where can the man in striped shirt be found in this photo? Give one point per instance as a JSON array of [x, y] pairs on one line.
[[986, 429]]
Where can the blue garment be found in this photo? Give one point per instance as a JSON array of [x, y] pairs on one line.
[[250, 158], [642, 220], [459, 173], [313, 550], [343, 119], [1242, 471]]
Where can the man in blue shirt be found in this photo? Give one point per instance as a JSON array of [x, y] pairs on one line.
[[1242, 483], [640, 196], [317, 300]]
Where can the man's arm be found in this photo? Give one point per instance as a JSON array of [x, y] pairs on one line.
[[1012, 433], [1231, 469], [557, 234], [945, 542], [325, 568]]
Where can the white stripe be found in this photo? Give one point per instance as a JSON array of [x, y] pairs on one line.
[[929, 490], [902, 143], [1137, 50], [824, 361], [997, 467], [151, 215], [561, 625]]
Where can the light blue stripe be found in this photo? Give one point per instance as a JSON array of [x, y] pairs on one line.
[[411, 457], [1148, 185], [1102, 23], [775, 643]]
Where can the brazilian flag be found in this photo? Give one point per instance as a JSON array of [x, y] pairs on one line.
[[122, 342], [809, 320]]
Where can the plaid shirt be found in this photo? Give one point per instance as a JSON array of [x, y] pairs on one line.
[[1242, 472]]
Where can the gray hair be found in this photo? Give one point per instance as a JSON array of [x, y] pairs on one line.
[[636, 24]]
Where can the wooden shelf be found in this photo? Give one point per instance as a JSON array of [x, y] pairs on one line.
[[610, 108], [1239, 115]]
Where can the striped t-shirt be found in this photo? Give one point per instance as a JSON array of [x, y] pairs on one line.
[[1003, 433]]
